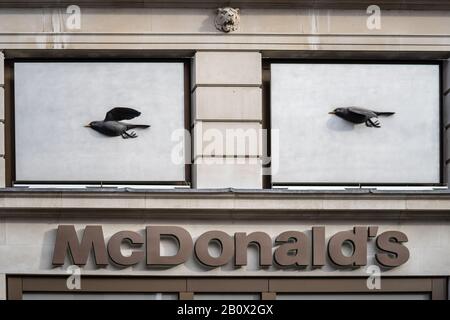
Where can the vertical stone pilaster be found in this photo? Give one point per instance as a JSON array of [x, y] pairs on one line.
[[227, 119], [2, 120]]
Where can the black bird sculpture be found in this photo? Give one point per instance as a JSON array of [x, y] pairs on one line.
[[112, 126], [360, 115]]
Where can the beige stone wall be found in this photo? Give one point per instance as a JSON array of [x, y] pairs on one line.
[[260, 29], [227, 107], [186, 20], [28, 246], [225, 94], [2, 121], [223, 203]]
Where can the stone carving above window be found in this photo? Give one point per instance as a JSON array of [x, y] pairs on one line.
[[227, 19]]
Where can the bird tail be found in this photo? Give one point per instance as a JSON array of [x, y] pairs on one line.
[[138, 126], [384, 113]]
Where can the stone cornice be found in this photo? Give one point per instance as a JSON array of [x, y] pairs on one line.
[[208, 41], [227, 204]]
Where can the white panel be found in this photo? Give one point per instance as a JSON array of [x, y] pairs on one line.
[[316, 147], [54, 100]]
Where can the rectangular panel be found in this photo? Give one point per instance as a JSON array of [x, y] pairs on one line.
[[374, 296], [227, 103], [103, 284], [227, 285], [3, 294], [2, 103], [14, 287], [227, 296], [317, 147], [99, 296], [227, 68], [355, 285], [53, 102]]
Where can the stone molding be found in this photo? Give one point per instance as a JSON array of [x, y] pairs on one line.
[[227, 204], [231, 42]]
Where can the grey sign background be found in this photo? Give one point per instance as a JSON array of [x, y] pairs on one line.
[[315, 147], [54, 100]]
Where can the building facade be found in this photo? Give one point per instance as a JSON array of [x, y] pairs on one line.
[[273, 198]]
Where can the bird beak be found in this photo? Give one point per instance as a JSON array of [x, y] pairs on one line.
[[331, 112], [87, 126]]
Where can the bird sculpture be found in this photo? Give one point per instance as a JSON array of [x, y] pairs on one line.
[[360, 115], [112, 127]]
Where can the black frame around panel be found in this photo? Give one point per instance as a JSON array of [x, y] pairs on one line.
[[268, 183], [187, 287], [10, 155]]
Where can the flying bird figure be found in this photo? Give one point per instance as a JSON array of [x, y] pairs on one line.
[[111, 125], [360, 115]]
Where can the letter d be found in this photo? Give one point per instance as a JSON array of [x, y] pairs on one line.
[[154, 235]]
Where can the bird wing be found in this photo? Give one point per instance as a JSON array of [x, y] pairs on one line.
[[362, 112], [117, 114]]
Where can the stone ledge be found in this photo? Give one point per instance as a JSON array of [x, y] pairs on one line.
[[226, 204], [438, 45], [437, 193], [183, 54]]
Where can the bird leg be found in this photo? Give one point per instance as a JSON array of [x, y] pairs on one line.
[[373, 123], [132, 134]]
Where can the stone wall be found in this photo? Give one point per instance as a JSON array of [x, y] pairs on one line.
[[226, 93]]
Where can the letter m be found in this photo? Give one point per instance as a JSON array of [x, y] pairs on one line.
[[67, 241]]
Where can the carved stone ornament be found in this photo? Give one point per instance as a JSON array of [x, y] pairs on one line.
[[227, 19]]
